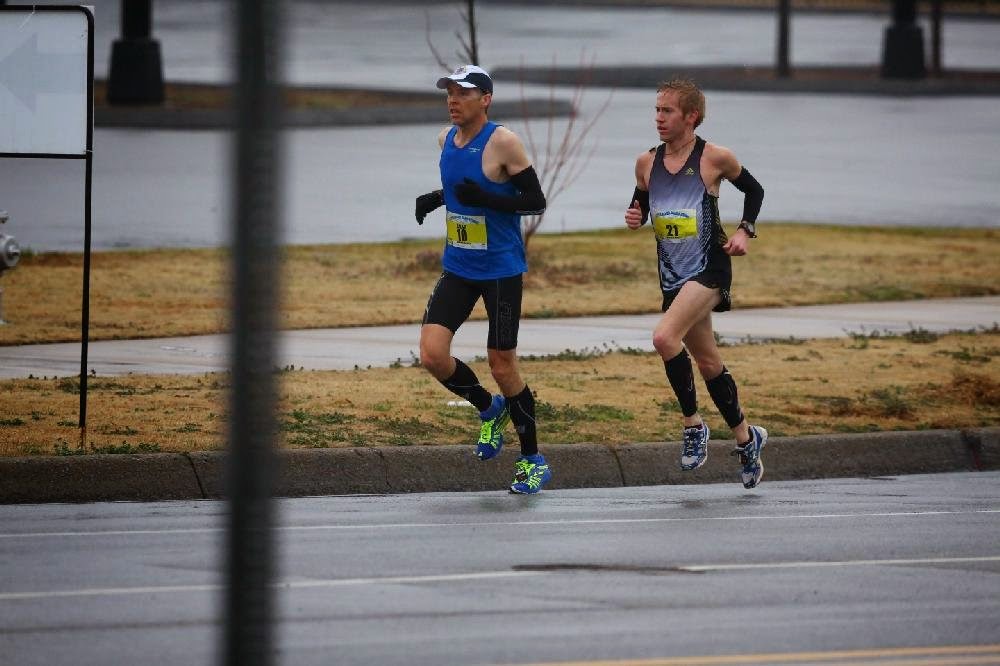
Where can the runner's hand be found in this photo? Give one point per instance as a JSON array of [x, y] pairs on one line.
[[428, 202], [737, 244], [633, 216]]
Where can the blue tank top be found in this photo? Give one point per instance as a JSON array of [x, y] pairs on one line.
[[481, 243]]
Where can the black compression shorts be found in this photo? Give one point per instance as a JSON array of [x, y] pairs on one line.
[[453, 298]]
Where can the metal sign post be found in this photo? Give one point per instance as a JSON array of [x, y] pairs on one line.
[[257, 168], [47, 108]]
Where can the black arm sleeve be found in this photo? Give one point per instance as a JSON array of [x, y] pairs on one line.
[[642, 196], [529, 199], [753, 194]]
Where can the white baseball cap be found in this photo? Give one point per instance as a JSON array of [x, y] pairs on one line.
[[468, 76]]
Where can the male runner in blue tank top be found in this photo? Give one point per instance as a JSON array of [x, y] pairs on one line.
[[677, 184], [487, 184]]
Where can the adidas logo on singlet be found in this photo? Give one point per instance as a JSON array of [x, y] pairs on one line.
[[689, 171]]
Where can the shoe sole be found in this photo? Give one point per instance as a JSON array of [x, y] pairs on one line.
[[529, 492], [690, 468]]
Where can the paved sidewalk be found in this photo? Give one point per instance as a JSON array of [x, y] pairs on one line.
[[151, 477], [380, 346]]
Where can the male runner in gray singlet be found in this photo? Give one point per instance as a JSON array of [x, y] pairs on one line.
[[677, 185]]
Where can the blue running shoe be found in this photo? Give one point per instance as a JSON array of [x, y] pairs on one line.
[[495, 419], [695, 451], [749, 453], [531, 473]]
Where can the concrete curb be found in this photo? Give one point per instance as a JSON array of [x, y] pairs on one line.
[[307, 472]]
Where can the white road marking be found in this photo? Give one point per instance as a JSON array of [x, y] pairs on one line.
[[581, 521], [450, 578], [287, 585]]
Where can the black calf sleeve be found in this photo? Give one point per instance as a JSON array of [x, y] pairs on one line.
[[522, 413], [723, 392], [464, 383], [681, 377]]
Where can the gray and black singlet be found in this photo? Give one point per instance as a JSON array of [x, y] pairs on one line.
[[685, 217]]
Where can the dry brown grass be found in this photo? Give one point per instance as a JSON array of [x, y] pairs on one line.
[[845, 385], [861, 383], [185, 292]]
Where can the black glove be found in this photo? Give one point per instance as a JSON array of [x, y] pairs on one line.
[[428, 202], [469, 193]]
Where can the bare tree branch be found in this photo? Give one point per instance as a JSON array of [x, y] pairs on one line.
[[559, 167], [430, 44]]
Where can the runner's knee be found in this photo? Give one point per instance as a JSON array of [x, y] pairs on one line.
[[436, 359], [667, 343], [708, 367], [503, 369]]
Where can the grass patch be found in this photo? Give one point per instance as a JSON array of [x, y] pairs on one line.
[[614, 397], [154, 293], [63, 448], [304, 429]]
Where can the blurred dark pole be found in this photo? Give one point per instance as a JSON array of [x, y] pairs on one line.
[[936, 37], [473, 44], [784, 27], [136, 73], [257, 162], [903, 44]]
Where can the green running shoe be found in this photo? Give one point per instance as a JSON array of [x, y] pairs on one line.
[[531, 473], [495, 419]]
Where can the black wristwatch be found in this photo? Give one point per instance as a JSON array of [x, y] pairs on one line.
[[750, 228]]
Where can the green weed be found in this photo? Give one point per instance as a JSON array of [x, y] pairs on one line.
[[969, 355], [107, 429], [126, 448], [920, 336]]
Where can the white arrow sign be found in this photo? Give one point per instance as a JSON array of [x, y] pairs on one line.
[[43, 81], [53, 73]]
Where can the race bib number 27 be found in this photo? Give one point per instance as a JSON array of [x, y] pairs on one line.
[[466, 231]]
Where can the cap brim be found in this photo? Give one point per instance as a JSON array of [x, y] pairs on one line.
[[444, 81]]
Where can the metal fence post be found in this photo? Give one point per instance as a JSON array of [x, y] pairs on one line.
[[256, 242]]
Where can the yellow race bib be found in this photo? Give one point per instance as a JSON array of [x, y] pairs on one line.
[[674, 226], [466, 231]]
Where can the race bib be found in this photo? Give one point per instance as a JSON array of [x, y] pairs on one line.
[[466, 231], [674, 226]]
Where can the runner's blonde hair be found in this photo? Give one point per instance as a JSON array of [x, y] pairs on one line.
[[689, 96]]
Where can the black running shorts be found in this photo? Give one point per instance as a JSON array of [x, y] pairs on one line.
[[453, 298], [718, 274]]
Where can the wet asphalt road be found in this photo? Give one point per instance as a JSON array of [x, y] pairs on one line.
[[875, 565]]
